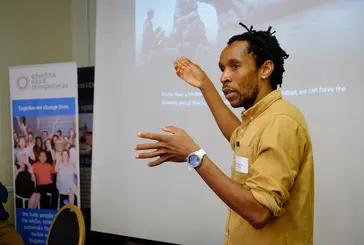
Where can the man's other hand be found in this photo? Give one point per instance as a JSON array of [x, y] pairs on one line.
[[172, 147]]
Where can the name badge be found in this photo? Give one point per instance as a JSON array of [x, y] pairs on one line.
[[241, 164]]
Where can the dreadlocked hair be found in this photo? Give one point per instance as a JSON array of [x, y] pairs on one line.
[[264, 46]]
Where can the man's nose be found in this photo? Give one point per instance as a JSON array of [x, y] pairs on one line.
[[225, 78]]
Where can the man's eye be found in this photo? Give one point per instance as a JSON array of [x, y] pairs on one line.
[[235, 66]]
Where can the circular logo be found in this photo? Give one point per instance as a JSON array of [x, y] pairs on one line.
[[22, 82]]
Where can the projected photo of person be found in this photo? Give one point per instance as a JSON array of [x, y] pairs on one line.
[[45, 161], [169, 30]]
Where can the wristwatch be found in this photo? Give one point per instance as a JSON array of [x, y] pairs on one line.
[[194, 159]]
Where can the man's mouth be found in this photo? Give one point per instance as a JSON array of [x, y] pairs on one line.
[[229, 94]]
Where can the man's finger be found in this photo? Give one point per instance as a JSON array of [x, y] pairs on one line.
[[176, 65], [178, 71], [185, 61], [153, 136], [181, 62], [158, 162], [150, 146], [172, 130], [151, 154]]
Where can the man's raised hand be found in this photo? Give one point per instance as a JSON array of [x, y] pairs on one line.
[[190, 72]]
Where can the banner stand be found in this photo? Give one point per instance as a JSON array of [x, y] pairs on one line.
[[45, 145]]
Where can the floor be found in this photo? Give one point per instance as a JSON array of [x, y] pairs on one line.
[[96, 238]]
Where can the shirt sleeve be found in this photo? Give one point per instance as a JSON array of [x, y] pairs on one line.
[[279, 154]]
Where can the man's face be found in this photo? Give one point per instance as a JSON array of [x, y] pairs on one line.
[[240, 76]]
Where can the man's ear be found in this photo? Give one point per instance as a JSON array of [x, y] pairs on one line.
[[266, 69]]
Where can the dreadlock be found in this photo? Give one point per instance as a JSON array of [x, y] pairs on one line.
[[264, 46]]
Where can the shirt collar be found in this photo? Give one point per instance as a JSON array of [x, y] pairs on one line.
[[260, 107]]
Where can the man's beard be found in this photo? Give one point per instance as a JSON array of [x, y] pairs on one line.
[[248, 101]]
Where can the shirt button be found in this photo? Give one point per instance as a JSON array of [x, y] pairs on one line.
[[252, 118], [226, 233]]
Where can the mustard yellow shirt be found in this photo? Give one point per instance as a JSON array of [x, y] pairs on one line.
[[273, 158]]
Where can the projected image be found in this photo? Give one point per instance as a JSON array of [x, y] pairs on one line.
[[192, 28], [46, 161], [199, 30]]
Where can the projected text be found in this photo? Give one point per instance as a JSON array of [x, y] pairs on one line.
[[196, 98]]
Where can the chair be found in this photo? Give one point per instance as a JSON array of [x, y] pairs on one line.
[[23, 199], [50, 199], [68, 227]]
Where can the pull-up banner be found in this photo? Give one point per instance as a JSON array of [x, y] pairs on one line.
[[44, 107]]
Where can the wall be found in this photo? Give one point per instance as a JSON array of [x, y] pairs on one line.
[[83, 17], [32, 32]]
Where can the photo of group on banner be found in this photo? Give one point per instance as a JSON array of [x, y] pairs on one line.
[[46, 161]]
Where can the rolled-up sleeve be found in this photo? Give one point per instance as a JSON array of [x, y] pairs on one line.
[[275, 167]]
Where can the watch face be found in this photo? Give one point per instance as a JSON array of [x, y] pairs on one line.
[[194, 160]]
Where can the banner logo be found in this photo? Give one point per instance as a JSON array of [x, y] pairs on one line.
[[40, 81], [22, 82]]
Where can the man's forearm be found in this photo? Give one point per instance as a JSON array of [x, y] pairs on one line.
[[237, 197], [225, 118]]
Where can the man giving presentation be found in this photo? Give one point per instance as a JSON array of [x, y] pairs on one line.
[[270, 193]]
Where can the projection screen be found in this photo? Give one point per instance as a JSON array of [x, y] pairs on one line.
[[136, 89]]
